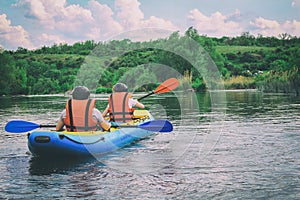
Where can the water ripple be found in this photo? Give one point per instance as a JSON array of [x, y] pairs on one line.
[[252, 151]]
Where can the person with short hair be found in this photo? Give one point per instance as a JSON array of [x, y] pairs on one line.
[[120, 104], [81, 113]]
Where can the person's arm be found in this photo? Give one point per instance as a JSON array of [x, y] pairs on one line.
[[60, 124], [104, 124], [105, 111], [135, 103], [139, 105]]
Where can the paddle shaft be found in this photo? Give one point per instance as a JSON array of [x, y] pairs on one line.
[[20, 126], [145, 96], [47, 126], [153, 125], [125, 126], [166, 86], [121, 126]]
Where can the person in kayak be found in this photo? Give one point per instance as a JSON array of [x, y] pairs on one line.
[[120, 104], [81, 114]]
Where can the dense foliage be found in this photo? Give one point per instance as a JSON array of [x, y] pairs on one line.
[[269, 63]]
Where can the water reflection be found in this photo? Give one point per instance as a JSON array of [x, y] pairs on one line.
[[256, 156], [44, 166]]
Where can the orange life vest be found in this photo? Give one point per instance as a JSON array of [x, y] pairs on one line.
[[79, 115], [119, 110]]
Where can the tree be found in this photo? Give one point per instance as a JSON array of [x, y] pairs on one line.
[[7, 74], [45, 86]]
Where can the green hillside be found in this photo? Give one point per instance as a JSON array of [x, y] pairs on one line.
[[267, 63], [243, 49]]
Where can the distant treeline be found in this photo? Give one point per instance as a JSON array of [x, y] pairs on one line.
[[267, 63]]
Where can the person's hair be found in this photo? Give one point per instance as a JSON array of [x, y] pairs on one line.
[[120, 87], [80, 93]]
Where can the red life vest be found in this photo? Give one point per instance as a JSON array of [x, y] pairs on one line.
[[79, 115], [119, 110]]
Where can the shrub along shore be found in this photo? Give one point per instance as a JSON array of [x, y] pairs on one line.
[[270, 64]]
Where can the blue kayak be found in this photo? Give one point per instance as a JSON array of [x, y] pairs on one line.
[[79, 144]]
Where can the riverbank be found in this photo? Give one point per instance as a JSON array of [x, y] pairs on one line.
[[240, 82]]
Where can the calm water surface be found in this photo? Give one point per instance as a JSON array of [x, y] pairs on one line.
[[244, 146]]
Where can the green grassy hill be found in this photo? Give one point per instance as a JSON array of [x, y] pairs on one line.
[[267, 63], [242, 49]]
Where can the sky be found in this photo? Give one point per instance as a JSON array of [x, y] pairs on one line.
[[32, 24]]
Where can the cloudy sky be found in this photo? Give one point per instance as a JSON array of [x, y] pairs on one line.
[[35, 23]]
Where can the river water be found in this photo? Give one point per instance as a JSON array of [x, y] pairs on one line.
[[225, 145]]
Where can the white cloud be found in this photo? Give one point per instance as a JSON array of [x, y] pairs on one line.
[[105, 25], [129, 13], [215, 25], [262, 23], [58, 21], [128, 16], [218, 24], [268, 27], [50, 39], [73, 21], [296, 3], [56, 15], [158, 23], [12, 37], [292, 27], [236, 14], [131, 17]]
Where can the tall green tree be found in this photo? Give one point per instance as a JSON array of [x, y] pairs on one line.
[[7, 74]]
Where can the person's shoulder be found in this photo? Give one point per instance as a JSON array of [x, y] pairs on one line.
[[96, 110], [132, 100]]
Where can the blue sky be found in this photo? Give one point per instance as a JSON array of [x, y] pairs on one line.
[[35, 23]]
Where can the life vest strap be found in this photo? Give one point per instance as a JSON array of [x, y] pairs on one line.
[[86, 121], [124, 106], [71, 115], [83, 128], [119, 110], [86, 126], [121, 113]]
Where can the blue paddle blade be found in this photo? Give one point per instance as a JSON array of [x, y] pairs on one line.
[[157, 126], [19, 126]]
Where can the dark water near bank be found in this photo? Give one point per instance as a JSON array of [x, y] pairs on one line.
[[233, 145]]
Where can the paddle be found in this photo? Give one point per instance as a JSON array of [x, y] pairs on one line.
[[19, 126], [166, 86], [154, 125]]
